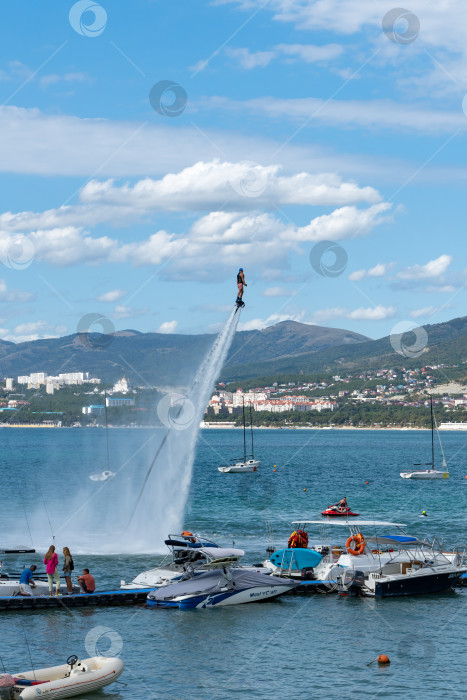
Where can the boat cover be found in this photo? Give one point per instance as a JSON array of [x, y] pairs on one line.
[[213, 581]]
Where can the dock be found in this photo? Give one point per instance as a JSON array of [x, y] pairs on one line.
[[78, 600]]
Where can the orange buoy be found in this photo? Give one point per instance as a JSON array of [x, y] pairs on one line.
[[304, 489], [383, 660], [274, 470], [367, 482]]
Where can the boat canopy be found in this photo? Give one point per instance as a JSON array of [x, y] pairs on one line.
[[392, 539], [347, 522]]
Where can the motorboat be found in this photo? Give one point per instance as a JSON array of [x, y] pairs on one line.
[[336, 512], [219, 587], [70, 679], [245, 465], [188, 552], [432, 472], [362, 553], [401, 578]]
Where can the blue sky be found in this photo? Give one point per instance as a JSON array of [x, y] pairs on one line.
[[294, 122]]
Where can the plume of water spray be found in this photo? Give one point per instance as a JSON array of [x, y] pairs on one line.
[[162, 500]]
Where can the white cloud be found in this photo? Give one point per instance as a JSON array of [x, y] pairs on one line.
[[55, 78], [122, 311], [112, 296], [370, 114], [442, 289], [432, 269], [378, 270], [308, 53], [346, 222], [311, 53], [239, 186], [13, 296], [427, 311], [372, 313], [167, 327], [257, 324], [278, 292], [35, 330], [249, 60]]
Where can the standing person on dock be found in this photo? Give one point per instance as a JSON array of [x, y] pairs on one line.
[[51, 562], [68, 567], [240, 284]]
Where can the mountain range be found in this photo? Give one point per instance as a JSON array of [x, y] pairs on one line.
[[156, 359]]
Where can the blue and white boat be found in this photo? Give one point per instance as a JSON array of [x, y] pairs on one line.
[[220, 587]]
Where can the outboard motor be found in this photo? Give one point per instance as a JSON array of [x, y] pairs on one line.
[[350, 583]]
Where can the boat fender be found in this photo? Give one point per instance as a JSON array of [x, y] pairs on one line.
[[360, 543]]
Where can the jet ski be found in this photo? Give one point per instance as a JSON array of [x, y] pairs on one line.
[[336, 512]]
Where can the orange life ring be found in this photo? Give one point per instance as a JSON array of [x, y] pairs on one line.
[[185, 533], [359, 541]]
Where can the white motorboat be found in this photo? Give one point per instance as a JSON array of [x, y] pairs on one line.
[[245, 465], [188, 552], [70, 679], [365, 554], [432, 472], [225, 586]]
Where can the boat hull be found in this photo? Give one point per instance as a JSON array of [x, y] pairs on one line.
[[202, 602], [425, 474], [417, 585]]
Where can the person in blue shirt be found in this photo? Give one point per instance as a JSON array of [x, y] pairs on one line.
[[25, 581]]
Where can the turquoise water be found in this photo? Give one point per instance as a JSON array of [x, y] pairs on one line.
[[296, 646]]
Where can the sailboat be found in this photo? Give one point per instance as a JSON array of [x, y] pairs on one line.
[[107, 473], [430, 473], [239, 466]]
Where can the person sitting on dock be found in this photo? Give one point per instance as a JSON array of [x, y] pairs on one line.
[[86, 581], [25, 580]]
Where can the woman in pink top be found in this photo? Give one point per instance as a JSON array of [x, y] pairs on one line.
[[51, 562]]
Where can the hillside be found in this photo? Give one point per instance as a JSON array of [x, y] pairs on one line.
[[161, 359], [447, 344]]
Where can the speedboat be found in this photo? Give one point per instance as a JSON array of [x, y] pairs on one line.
[[432, 472], [225, 586], [188, 552], [336, 512], [65, 681]]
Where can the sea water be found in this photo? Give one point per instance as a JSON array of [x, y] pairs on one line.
[[302, 647]]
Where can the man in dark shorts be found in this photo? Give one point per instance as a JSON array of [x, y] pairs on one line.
[[240, 284], [86, 581]]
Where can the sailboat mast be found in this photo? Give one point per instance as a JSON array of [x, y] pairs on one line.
[[244, 433], [432, 435], [106, 429], [251, 430]]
